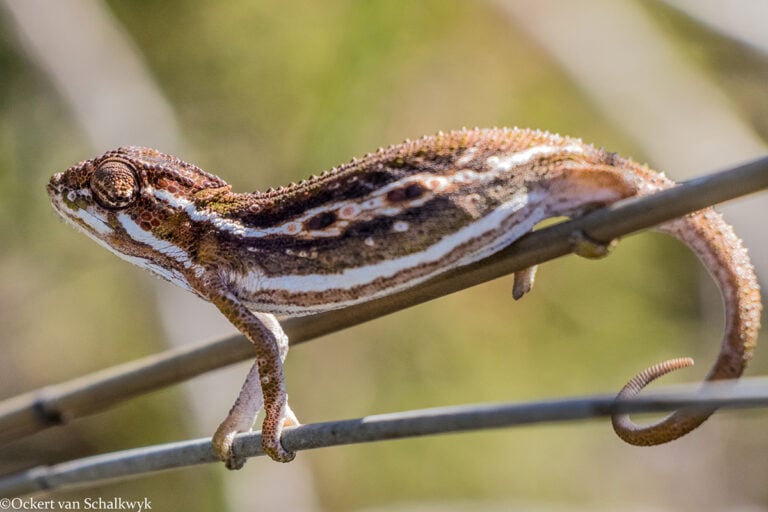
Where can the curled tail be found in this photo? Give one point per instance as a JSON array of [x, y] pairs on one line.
[[726, 259]]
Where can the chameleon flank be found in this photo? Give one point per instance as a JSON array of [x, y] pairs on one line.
[[372, 227]]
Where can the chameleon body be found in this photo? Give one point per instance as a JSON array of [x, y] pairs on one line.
[[374, 226]]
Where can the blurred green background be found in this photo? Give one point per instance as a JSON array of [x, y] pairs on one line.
[[269, 92]]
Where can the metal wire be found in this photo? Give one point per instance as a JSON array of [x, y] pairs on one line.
[[140, 461]]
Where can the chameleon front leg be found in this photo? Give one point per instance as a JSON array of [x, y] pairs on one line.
[[265, 382]]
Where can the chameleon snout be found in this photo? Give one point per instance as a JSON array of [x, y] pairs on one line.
[[55, 185]]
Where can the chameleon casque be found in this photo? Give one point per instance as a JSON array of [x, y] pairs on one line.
[[369, 228]]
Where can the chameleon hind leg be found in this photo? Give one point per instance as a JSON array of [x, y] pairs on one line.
[[582, 246]]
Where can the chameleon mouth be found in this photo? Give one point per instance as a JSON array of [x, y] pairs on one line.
[[81, 218], [59, 207], [56, 194]]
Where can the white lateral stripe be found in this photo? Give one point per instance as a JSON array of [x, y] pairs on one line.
[[506, 239], [255, 281]]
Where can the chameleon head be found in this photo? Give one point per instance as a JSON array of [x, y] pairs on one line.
[[132, 201]]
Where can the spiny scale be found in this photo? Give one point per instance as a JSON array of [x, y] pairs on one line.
[[368, 228]]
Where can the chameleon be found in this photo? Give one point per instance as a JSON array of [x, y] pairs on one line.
[[372, 227]]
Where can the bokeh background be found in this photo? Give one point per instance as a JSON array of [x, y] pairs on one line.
[[264, 93]]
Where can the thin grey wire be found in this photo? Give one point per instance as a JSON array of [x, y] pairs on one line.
[[748, 393]]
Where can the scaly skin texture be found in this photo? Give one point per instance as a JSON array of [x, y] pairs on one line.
[[369, 228]]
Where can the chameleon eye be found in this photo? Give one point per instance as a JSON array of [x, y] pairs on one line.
[[115, 184]]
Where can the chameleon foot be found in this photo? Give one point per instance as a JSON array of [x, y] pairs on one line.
[[223, 441], [523, 282], [272, 429], [241, 417], [224, 438]]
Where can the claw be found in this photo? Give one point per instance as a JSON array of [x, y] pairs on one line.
[[523, 282]]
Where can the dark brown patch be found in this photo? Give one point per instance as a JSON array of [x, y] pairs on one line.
[[321, 221], [397, 195], [412, 191]]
